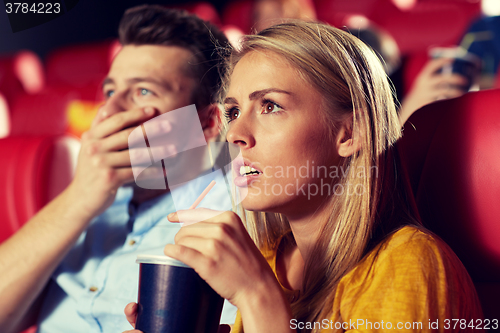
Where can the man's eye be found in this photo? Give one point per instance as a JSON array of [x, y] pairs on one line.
[[145, 92], [109, 93]]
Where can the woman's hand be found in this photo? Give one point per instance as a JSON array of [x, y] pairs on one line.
[[223, 254]]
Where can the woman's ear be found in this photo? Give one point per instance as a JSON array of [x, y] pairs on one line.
[[348, 139], [210, 121]]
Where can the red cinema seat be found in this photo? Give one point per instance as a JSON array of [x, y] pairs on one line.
[[233, 34], [81, 65], [39, 114], [33, 170], [451, 150], [239, 13], [497, 80], [56, 111], [413, 65], [335, 12], [204, 10], [430, 23], [29, 69], [21, 73], [4, 117]]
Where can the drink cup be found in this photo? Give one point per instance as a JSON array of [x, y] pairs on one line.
[[173, 298], [465, 63]]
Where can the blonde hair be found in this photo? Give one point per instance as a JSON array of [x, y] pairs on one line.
[[354, 85]]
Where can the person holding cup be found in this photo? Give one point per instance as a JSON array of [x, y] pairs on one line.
[[327, 237], [432, 84]]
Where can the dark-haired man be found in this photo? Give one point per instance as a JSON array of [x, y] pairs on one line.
[[72, 267]]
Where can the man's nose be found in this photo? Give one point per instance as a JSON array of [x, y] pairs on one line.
[[114, 104]]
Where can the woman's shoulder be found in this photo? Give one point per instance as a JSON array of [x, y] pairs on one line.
[[407, 241], [407, 249], [408, 253], [411, 269]]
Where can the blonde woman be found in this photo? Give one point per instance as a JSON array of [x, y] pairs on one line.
[[339, 247]]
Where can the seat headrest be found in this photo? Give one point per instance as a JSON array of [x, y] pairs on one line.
[[33, 170], [452, 153]]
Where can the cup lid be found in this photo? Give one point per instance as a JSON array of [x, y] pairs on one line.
[[159, 260]]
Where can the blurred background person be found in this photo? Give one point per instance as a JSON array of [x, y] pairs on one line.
[[482, 39], [430, 85], [270, 12]]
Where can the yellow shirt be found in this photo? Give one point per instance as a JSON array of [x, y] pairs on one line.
[[410, 283]]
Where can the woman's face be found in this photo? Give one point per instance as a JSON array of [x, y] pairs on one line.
[[276, 119]]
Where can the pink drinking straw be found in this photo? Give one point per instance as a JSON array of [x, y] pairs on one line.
[[202, 195]]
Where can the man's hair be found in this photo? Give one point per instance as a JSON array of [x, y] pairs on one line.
[[157, 25]]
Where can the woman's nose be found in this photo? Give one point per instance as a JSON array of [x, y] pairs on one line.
[[240, 133]]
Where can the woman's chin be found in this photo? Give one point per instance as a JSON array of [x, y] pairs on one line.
[[253, 203], [259, 204]]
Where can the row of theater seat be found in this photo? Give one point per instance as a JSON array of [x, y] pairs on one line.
[[68, 100], [428, 22], [33, 170], [42, 113]]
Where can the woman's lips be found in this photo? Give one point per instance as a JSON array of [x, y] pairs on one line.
[[244, 181]]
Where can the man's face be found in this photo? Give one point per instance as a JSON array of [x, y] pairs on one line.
[[148, 75]]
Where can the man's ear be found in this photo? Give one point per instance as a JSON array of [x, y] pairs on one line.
[[210, 121], [348, 140]]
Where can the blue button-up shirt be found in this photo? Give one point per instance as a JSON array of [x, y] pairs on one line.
[[99, 277]]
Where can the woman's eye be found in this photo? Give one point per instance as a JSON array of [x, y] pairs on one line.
[[270, 107], [232, 114]]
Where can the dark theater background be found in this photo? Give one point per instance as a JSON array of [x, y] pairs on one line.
[[51, 74]]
